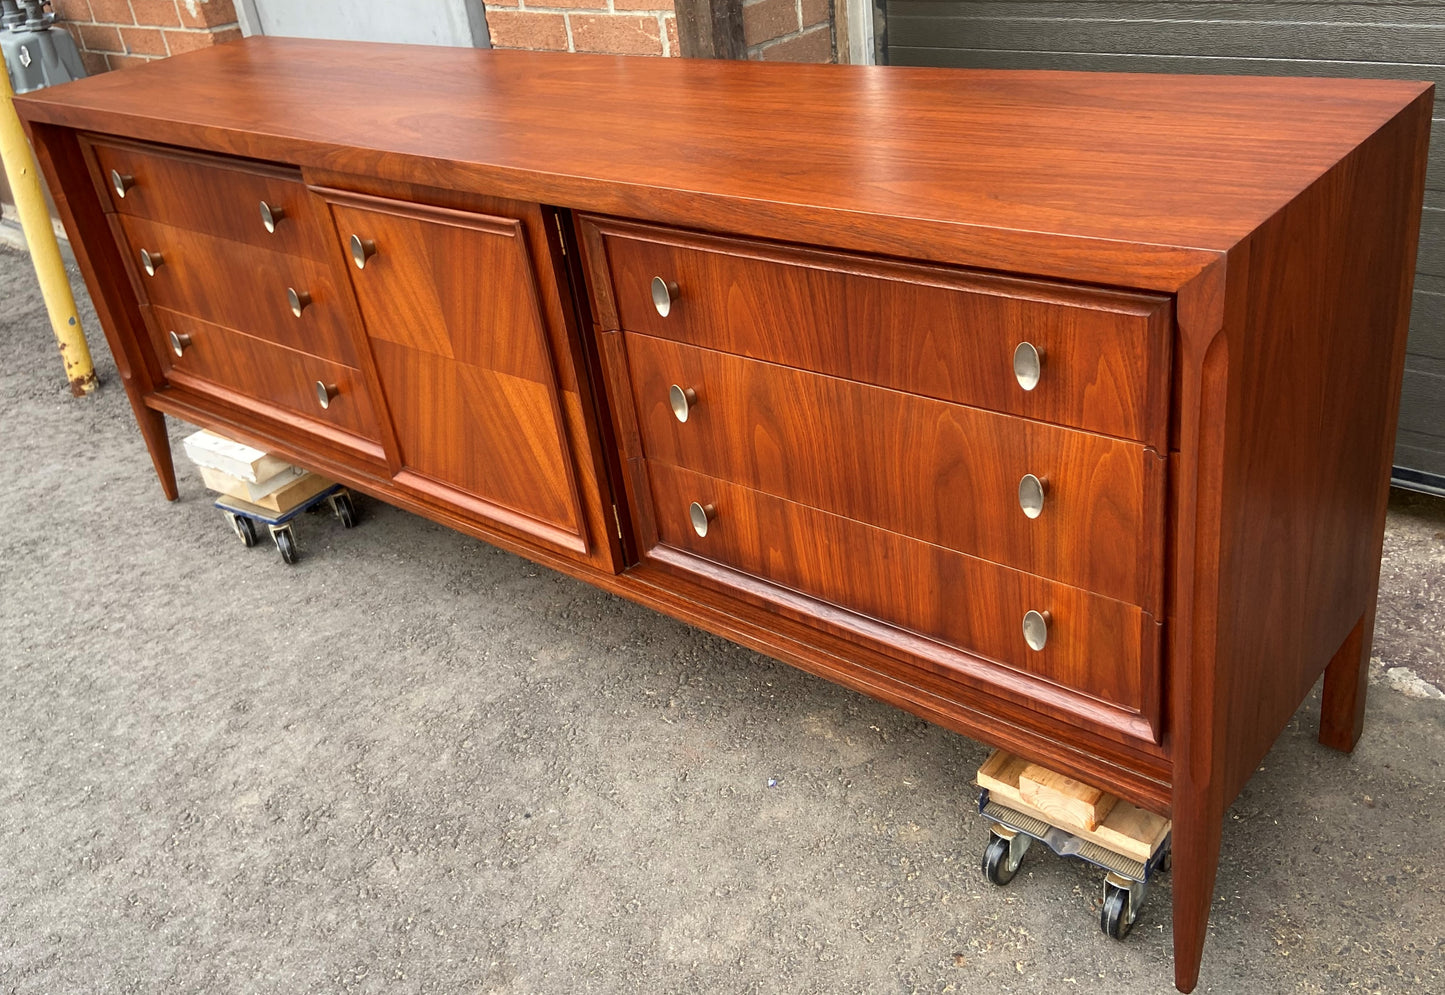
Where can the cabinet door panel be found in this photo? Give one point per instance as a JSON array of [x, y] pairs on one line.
[[450, 305]]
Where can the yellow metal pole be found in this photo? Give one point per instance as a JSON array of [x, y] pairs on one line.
[[24, 177]]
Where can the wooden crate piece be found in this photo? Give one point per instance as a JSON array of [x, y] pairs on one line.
[[1126, 829], [1068, 802], [279, 501]]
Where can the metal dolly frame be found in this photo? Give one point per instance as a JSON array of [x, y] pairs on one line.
[[1125, 878], [244, 516]]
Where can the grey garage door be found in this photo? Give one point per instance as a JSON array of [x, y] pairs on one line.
[[1399, 40]]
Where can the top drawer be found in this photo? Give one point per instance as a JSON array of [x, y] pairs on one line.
[[243, 201], [951, 334]]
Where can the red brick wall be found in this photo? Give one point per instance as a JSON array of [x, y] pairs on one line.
[[113, 34], [775, 30], [788, 30], [618, 27]]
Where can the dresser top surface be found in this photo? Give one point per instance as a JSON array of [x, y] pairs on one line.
[[1194, 162]]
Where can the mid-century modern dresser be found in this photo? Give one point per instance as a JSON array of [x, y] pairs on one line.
[[1055, 408]]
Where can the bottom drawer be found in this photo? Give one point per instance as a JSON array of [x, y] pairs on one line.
[[261, 371], [1099, 656]]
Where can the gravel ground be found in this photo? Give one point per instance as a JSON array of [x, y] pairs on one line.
[[414, 763]]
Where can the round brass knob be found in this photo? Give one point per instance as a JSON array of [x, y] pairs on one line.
[[271, 216], [1028, 365], [325, 392], [150, 262], [1032, 491], [664, 292], [701, 515], [362, 249], [121, 182], [682, 399], [179, 343], [1036, 629], [298, 299]]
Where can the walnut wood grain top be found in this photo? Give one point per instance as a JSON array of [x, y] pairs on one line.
[[997, 168]]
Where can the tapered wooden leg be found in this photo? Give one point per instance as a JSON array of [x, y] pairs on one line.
[[158, 441], [1342, 708], [1195, 843]]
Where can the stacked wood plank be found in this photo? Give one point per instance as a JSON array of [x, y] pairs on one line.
[[236, 470], [1073, 806]]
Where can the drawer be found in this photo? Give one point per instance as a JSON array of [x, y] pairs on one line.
[[941, 472], [889, 589], [216, 196], [1103, 355], [239, 286], [260, 370]]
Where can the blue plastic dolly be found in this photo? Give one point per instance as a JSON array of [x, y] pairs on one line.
[[244, 517], [1125, 878]]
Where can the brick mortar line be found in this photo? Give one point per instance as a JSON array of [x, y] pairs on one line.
[[148, 27], [760, 46], [660, 12]]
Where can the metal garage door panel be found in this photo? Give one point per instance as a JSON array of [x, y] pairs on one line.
[[1270, 39]]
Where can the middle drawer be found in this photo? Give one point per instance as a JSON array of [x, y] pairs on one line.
[[290, 300], [1082, 509]]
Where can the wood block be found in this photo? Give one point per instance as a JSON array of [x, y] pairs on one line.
[[232, 486], [1126, 829], [207, 449], [277, 502], [294, 493], [1000, 774], [1068, 802]]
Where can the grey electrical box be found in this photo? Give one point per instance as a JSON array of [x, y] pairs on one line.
[[37, 53]]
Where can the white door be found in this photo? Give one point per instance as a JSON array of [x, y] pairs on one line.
[[417, 22]]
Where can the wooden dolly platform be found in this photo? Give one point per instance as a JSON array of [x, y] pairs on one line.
[[1027, 802]]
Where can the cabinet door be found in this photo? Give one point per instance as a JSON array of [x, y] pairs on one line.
[[452, 317]]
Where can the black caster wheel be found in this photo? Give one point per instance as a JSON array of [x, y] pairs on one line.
[[245, 529], [286, 545], [345, 510], [1114, 917], [997, 863]]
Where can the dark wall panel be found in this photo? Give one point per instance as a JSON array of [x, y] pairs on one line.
[[1404, 39]]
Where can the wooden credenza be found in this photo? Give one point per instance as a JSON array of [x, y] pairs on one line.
[[1054, 408]]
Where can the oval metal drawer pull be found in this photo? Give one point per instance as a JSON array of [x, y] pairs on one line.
[[664, 292], [326, 393], [1036, 629], [298, 299], [362, 249], [1032, 491], [682, 399], [179, 343], [150, 262], [1028, 365], [271, 216], [701, 515], [121, 181]]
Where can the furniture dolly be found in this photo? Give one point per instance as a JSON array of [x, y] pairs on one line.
[[1025, 803], [244, 516]]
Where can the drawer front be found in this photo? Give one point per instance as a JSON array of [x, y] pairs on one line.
[[1094, 647], [941, 472], [261, 370], [219, 197], [239, 286], [1103, 356]]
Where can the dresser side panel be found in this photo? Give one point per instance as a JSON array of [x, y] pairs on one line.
[[1313, 391]]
